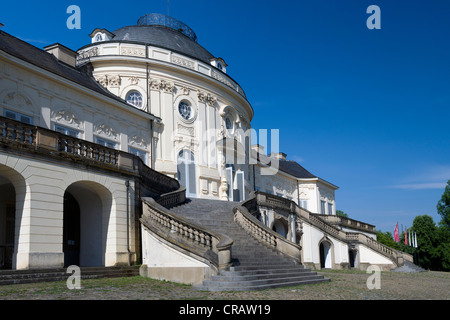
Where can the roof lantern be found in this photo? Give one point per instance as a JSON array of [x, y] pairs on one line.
[[158, 19]]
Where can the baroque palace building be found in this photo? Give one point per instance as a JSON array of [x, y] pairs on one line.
[[98, 144]]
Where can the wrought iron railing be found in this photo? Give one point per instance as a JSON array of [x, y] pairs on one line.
[[159, 19]]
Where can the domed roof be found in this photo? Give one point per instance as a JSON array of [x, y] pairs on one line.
[[165, 32]]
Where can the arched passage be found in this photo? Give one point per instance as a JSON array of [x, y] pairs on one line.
[[12, 198], [87, 209], [325, 251], [280, 227]]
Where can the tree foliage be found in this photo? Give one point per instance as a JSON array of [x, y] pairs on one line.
[[443, 206], [341, 213]]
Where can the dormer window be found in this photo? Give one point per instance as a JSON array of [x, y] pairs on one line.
[[98, 37], [220, 64]]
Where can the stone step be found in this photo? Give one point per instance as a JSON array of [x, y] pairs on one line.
[[60, 274], [255, 266], [259, 284]]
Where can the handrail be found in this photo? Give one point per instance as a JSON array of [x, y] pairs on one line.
[[214, 248]]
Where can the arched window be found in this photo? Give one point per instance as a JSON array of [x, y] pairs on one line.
[[135, 99], [98, 37], [186, 172]]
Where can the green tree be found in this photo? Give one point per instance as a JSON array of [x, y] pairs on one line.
[[387, 239], [341, 213], [427, 240], [443, 206]]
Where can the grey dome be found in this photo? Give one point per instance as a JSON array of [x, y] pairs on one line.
[[163, 37]]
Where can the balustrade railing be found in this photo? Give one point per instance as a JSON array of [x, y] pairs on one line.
[[213, 247], [51, 143], [320, 221], [244, 216]]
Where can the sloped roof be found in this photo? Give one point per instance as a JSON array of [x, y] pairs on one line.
[[40, 58], [294, 169], [163, 37]]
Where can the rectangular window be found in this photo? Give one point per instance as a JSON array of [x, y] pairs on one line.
[[106, 143], [66, 131], [141, 154], [330, 208], [304, 204], [17, 116], [322, 207]]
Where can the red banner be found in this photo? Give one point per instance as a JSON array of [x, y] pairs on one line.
[[396, 238]]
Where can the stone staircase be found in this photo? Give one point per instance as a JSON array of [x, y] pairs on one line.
[[60, 274], [255, 266]]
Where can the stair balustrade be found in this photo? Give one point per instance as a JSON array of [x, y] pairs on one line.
[[214, 248]]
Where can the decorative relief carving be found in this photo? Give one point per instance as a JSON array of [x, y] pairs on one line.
[[66, 116], [166, 86], [93, 52], [206, 98], [222, 79], [106, 130], [17, 100], [103, 80], [114, 80], [132, 51], [183, 62], [155, 85], [138, 141]]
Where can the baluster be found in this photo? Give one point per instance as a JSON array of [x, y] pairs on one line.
[[2, 129], [27, 136], [10, 132]]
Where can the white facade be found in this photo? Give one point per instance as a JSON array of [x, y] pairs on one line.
[[183, 115]]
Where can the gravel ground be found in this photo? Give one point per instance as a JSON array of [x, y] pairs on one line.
[[344, 285]]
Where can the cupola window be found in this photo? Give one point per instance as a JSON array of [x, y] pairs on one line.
[[98, 37]]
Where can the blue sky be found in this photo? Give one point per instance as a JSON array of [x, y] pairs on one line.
[[367, 110]]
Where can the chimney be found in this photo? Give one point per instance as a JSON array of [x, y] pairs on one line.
[[278, 155], [62, 53]]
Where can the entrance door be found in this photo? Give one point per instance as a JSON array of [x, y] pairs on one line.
[[71, 231], [325, 255], [352, 257], [186, 172], [9, 222]]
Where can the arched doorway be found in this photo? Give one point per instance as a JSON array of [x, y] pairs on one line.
[[352, 257], [7, 222], [87, 208], [12, 199], [186, 172], [325, 255], [71, 230]]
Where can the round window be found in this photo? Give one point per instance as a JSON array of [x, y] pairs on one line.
[[185, 110], [135, 99]]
